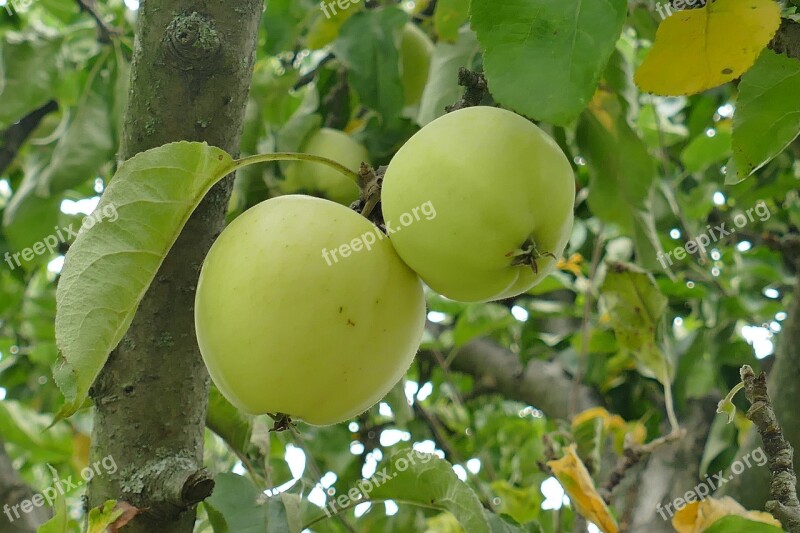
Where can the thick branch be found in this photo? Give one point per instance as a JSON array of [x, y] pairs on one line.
[[784, 504], [542, 384], [190, 78]]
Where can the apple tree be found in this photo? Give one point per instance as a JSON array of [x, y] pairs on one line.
[[436, 265]]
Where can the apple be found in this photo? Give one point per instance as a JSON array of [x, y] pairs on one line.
[[415, 57], [284, 329], [504, 195], [320, 180]]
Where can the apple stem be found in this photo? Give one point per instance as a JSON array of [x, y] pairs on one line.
[[292, 156], [527, 254]]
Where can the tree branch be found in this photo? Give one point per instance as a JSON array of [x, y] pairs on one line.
[[15, 135], [104, 31], [784, 504], [752, 486], [190, 78], [542, 384]]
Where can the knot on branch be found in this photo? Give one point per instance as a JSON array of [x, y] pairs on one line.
[[177, 483], [193, 41]]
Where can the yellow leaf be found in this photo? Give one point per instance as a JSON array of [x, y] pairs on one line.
[[81, 443], [696, 517], [573, 264], [615, 425], [589, 414], [577, 483], [697, 49]]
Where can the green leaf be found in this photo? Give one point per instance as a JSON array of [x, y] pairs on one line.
[[28, 74], [443, 88], [111, 516], [590, 436], [89, 141], [480, 320], [544, 58], [767, 117], [60, 522], [448, 18], [233, 426], [738, 524], [704, 150], [112, 263], [502, 524], [635, 305], [522, 504], [423, 479], [621, 173], [24, 427], [721, 437], [30, 218], [368, 47], [238, 506]]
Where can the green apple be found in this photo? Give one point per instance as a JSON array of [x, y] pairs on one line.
[[320, 180], [503, 193], [415, 55], [303, 308]]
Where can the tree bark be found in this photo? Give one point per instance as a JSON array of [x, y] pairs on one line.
[[190, 78]]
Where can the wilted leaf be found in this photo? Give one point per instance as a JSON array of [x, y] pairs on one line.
[[698, 517], [577, 483], [635, 306]]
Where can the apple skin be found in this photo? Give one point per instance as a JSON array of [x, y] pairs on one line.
[[324, 181], [281, 331], [415, 55], [495, 180]]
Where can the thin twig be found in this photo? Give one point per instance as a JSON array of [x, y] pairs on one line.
[[13, 137], [587, 311], [308, 77], [631, 456], [106, 33], [438, 436], [315, 471]]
